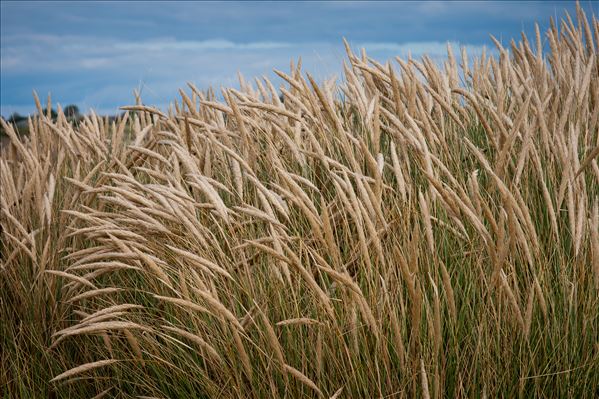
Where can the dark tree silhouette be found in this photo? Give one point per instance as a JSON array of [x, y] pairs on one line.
[[16, 118], [71, 111]]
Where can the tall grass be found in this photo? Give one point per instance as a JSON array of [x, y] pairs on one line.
[[417, 230]]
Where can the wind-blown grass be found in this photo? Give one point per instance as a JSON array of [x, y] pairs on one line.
[[421, 231]]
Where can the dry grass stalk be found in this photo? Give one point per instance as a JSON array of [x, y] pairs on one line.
[[212, 353], [83, 368], [303, 379]]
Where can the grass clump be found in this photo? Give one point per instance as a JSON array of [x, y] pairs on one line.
[[427, 231]]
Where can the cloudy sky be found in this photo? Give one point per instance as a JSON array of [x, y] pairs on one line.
[[94, 54]]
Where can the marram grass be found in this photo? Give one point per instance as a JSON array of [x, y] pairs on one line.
[[413, 231]]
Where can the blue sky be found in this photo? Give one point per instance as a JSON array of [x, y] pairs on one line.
[[94, 54]]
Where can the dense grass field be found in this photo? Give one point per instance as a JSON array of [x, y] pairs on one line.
[[415, 230]]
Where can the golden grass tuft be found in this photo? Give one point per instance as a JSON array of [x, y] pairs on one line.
[[415, 229]]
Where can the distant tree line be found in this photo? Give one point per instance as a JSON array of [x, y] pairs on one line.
[[20, 122], [71, 112]]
